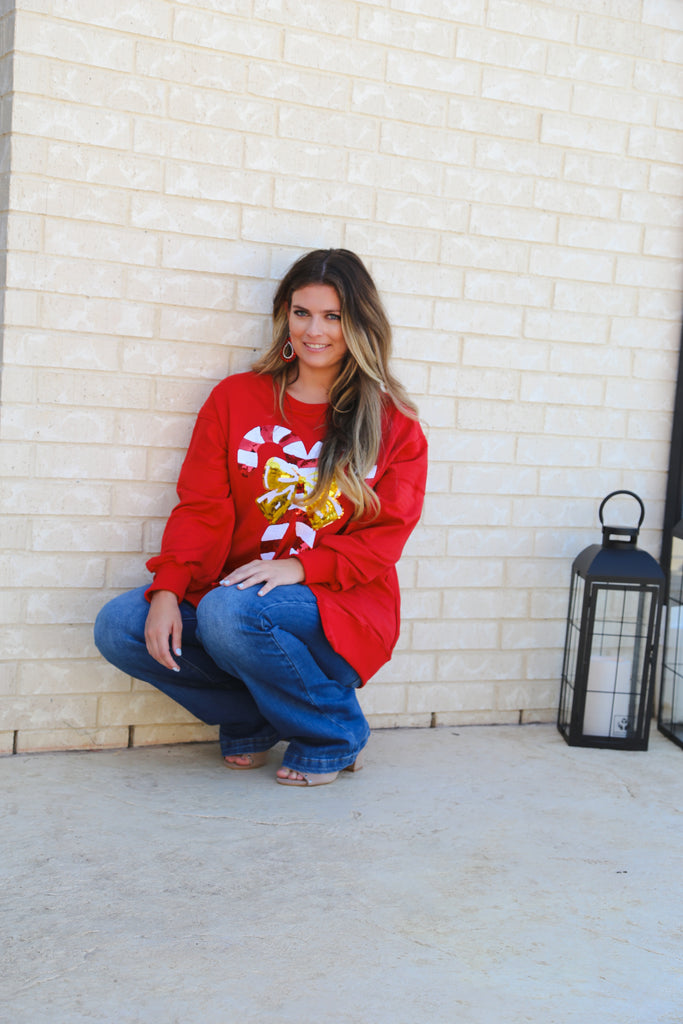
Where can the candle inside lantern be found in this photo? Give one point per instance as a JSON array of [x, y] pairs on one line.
[[608, 696], [674, 641]]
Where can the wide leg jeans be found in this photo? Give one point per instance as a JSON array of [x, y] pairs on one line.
[[259, 667]]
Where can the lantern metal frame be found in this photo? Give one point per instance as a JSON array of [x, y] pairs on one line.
[[672, 532], [615, 587], [670, 711]]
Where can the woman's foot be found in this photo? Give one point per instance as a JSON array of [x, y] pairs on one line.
[[290, 777], [243, 762]]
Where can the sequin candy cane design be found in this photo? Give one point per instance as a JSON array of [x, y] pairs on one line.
[[287, 484]]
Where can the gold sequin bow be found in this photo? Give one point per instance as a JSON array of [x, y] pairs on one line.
[[288, 486]]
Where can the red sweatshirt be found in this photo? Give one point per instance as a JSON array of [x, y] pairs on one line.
[[242, 491]]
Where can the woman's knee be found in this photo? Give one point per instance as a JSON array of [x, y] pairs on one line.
[[103, 629], [120, 620], [228, 618], [219, 611]]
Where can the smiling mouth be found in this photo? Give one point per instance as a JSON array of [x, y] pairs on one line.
[[314, 347]]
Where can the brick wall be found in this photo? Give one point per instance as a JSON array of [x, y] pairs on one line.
[[510, 171]]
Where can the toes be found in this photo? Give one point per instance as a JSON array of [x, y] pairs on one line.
[[241, 759]]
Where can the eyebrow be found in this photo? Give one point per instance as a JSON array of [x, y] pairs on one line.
[[297, 305]]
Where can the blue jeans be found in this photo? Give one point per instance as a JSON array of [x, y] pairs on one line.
[[260, 667]]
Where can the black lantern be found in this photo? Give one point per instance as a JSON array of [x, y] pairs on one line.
[[670, 720], [610, 651]]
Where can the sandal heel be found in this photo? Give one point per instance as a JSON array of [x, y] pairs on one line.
[[309, 779]]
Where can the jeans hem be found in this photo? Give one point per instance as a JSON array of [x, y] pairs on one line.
[[319, 766], [233, 747]]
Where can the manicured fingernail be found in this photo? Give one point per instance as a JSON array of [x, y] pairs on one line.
[[178, 652], [176, 669]]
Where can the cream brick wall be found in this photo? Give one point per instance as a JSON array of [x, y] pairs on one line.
[[510, 171]]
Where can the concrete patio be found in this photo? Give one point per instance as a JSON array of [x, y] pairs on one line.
[[480, 875]]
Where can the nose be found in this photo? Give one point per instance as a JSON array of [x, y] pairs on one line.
[[316, 326]]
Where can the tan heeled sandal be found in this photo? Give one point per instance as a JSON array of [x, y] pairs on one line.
[[309, 779], [257, 759]]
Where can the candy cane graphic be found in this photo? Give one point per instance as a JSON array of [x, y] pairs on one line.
[[288, 482], [247, 454]]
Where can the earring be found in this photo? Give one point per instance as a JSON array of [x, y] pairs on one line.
[[288, 354]]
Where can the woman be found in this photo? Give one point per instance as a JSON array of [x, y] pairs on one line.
[[275, 594]]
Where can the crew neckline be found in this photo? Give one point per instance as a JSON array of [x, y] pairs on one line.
[[313, 407]]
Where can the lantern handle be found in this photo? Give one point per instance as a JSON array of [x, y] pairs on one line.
[[632, 495]]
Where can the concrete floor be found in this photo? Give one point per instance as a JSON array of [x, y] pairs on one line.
[[482, 875]]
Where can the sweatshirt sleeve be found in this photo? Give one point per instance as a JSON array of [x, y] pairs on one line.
[[368, 547], [197, 537]]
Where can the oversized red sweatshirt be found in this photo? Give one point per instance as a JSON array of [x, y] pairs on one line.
[[243, 494]]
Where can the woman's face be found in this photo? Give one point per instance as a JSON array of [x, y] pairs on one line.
[[315, 328]]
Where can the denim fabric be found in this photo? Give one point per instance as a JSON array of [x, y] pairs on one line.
[[260, 667]]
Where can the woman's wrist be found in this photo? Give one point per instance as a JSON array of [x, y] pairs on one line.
[[164, 595]]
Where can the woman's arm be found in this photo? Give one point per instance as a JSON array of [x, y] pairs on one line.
[[198, 533], [164, 628], [276, 572], [367, 547]]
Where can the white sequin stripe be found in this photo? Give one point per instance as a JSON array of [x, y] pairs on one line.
[[306, 533], [297, 450], [275, 531], [245, 458]]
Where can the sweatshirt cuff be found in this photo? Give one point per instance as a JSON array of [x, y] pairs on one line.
[[320, 566], [175, 578]]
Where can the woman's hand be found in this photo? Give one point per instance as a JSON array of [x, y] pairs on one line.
[[164, 626], [276, 572]]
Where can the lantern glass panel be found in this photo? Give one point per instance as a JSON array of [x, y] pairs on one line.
[[621, 620], [676, 577], [572, 648], [671, 704]]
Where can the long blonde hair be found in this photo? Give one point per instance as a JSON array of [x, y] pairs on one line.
[[364, 385]]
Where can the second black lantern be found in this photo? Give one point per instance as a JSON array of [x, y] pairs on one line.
[[611, 641]]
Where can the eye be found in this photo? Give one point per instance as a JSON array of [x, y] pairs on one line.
[[300, 312], [334, 316]]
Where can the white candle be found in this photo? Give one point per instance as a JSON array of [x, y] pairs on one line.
[[607, 711]]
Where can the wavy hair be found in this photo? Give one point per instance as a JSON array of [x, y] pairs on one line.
[[364, 384]]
